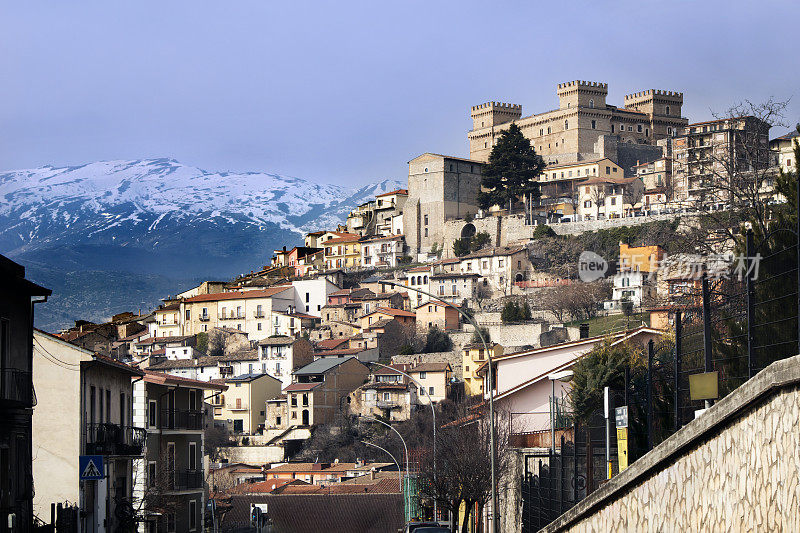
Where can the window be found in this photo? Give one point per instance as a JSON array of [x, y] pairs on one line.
[[101, 406], [666, 110], [566, 124], [122, 408], [192, 515], [423, 375], [152, 420], [430, 390], [258, 326], [639, 128], [614, 201], [669, 130], [188, 314], [426, 232], [612, 128], [608, 170], [587, 203], [193, 456], [151, 474], [387, 396], [426, 220], [591, 105], [594, 124]]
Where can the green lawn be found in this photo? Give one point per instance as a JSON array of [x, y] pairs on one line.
[[602, 325]]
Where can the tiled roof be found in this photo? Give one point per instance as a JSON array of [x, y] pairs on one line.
[[298, 387], [276, 341], [396, 191], [492, 252], [163, 340], [341, 240], [244, 355], [393, 370], [239, 295], [394, 312], [167, 379], [330, 344], [430, 367], [250, 377], [261, 487]]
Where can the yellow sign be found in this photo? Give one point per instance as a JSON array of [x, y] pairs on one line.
[[704, 386], [622, 448]]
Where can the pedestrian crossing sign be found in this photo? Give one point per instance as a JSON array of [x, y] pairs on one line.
[[90, 467]]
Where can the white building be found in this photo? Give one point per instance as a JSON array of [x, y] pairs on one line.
[[382, 252], [499, 267], [280, 356], [311, 295], [634, 286]]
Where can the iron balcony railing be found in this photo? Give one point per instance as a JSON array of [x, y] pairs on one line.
[[184, 480], [17, 386], [181, 419], [113, 439]]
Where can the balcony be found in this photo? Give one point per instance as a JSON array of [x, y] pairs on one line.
[[204, 318], [387, 404], [258, 314], [113, 439], [236, 407], [184, 480], [17, 386], [181, 419]]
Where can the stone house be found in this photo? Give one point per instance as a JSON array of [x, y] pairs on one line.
[[405, 318], [455, 287], [318, 389], [435, 313], [499, 268]]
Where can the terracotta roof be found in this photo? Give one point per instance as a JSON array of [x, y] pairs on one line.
[[340, 240], [277, 341], [378, 324], [385, 386], [330, 344], [262, 487], [239, 295], [171, 307], [603, 179], [117, 364], [338, 352], [383, 371], [430, 367], [244, 355], [163, 340], [167, 379], [419, 269], [396, 191], [492, 252], [297, 387], [394, 312]]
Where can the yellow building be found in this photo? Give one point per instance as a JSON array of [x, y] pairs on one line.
[[640, 258], [343, 251], [473, 356], [244, 404]]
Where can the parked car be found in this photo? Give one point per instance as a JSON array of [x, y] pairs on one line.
[[424, 527]]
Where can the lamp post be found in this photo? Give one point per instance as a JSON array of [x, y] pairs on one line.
[[492, 444], [399, 468], [433, 413], [405, 448]]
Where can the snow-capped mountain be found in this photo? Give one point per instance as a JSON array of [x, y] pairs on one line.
[[160, 217]]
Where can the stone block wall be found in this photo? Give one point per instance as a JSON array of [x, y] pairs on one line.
[[454, 358], [735, 468]]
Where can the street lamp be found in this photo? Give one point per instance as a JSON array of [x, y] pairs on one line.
[[492, 444], [402, 485], [433, 412], [399, 468], [564, 376]]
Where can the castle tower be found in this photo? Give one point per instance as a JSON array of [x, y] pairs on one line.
[[655, 102], [494, 114], [581, 93]]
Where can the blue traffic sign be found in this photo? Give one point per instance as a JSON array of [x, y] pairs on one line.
[[90, 467]]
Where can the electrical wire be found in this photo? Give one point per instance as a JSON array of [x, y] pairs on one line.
[[55, 360], [53, 356]]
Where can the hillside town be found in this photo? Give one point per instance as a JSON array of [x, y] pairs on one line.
[[349, 381]]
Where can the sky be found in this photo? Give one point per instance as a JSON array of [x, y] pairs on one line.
[[348, 92]]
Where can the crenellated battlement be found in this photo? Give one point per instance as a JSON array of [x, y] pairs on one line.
[[581, 84], [500, 106], [654, 92]]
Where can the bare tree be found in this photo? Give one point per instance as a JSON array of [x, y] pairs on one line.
[[733, 170]]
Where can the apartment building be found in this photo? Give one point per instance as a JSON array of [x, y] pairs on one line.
[[389, 206], [455, 287], [250, 311], [19, 297], [782, 149], [473, 356], [417, 278], [343, 251], [169, 480], [709, 156], [434, 378], [382, 251], [311, 295], [84, 407], [560, 182], [608, 197]]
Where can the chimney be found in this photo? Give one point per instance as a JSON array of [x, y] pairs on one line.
[[584, 328], [372, 473]]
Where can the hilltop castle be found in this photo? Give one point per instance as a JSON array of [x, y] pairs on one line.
[[571, 132]]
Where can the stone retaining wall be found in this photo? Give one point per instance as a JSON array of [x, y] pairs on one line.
[[736, 468]]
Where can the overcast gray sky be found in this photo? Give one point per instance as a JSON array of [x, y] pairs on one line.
[[348, 92]]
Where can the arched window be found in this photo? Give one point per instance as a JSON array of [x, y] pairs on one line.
[[566, 124], [591, 104], [666, 110], [425, 280]]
